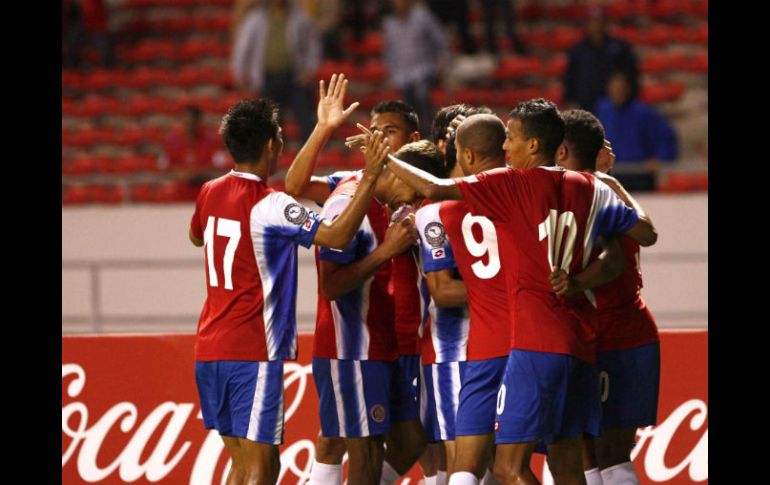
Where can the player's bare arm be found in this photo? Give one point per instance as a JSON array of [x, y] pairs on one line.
[[423, 183], [446, 291], [338, 233], [609, 265], [196, 242], [643, 231], [300, 181], [339, 279]]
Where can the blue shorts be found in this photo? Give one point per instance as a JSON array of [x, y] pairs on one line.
[[480, 382], [629, 382], [242, 399], [440, 391], [460, 398], [547, 397], [404, 401], [353, 396]]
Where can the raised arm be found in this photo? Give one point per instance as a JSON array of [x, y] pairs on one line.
[[423, 183], [300, 181], [610, 264], [446, 290], [337, 234]]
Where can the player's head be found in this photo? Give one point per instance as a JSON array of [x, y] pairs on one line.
[[251, 132], [535, 130], [401, 6], [422, 154], [398, 121], [479, 143], [583, 138], [596, 26], [441, 136]]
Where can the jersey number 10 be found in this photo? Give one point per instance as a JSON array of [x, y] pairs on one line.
[[553, 228], [230, 229]]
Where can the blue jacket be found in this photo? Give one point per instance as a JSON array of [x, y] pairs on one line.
[[637, 132]]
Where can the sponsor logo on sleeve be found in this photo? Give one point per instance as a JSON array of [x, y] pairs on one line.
[[438, 253], [295, 213]]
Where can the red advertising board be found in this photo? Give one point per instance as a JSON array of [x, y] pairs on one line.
[[130, 414]]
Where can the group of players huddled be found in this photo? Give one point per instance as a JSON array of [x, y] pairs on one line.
[[478, 297]]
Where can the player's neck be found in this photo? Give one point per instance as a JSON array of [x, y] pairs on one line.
[[485, 165]]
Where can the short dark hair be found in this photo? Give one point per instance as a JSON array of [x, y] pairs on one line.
[[247, 126], [445, 116], [407, 113], [425, 155], [584, 134], [484, 134], [540, 119]]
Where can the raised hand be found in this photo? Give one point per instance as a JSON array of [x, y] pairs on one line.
[[331, 102], [376, 152]]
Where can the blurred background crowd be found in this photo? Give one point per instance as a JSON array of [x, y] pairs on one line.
[[146, 82]]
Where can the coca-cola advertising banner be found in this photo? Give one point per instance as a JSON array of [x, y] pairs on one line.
[[130, 414]]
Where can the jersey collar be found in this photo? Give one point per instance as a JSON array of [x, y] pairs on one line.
[[244, 175]]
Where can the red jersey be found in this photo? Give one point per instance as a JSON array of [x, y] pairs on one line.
[[360, 324], [546, 217], [452, 237], [623, 317], [250, 235]]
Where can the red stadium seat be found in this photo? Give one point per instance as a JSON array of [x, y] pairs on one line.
[[142, 192], [556, 67], [699, 62], [574, 11], [84, 164], [685, 182], [373, 70], [75, 194], [370, 45], [327, 68], [562, 38], [68, 106], [655, 63], [287, 157], [95, 105], [657, 35], [71, 79], [664, 9], [290, 130], [531, 12], [700, 34], [517, 67], [105, 194]]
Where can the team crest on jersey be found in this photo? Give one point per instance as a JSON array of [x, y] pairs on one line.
[[438, 253], [377, 413], [435, 234], [295, 213]]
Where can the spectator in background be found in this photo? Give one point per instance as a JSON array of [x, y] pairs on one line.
[[416, 51], [455, 11], [192, 153], [640, 136], [592, 60], [240, 9], [84, 23], [276, 54], [326, 16], [508, 13]]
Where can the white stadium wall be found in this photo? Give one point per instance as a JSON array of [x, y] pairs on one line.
[[132, 268]]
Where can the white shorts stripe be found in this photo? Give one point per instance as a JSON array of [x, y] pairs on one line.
[[437, 395], [279, 419], [256, 407], [362, 414], [456, 384], [340, 405]]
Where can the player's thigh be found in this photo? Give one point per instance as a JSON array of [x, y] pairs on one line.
[[260, 459], [565, 457], [472, 453], [512, 460], [614, 446]]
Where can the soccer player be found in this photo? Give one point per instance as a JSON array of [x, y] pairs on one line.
[[247, 326], [628, 358], [549, 218], [399, 123], [470, 358], [355, 348]]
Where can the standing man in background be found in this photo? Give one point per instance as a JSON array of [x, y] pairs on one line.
[[277, 52]]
